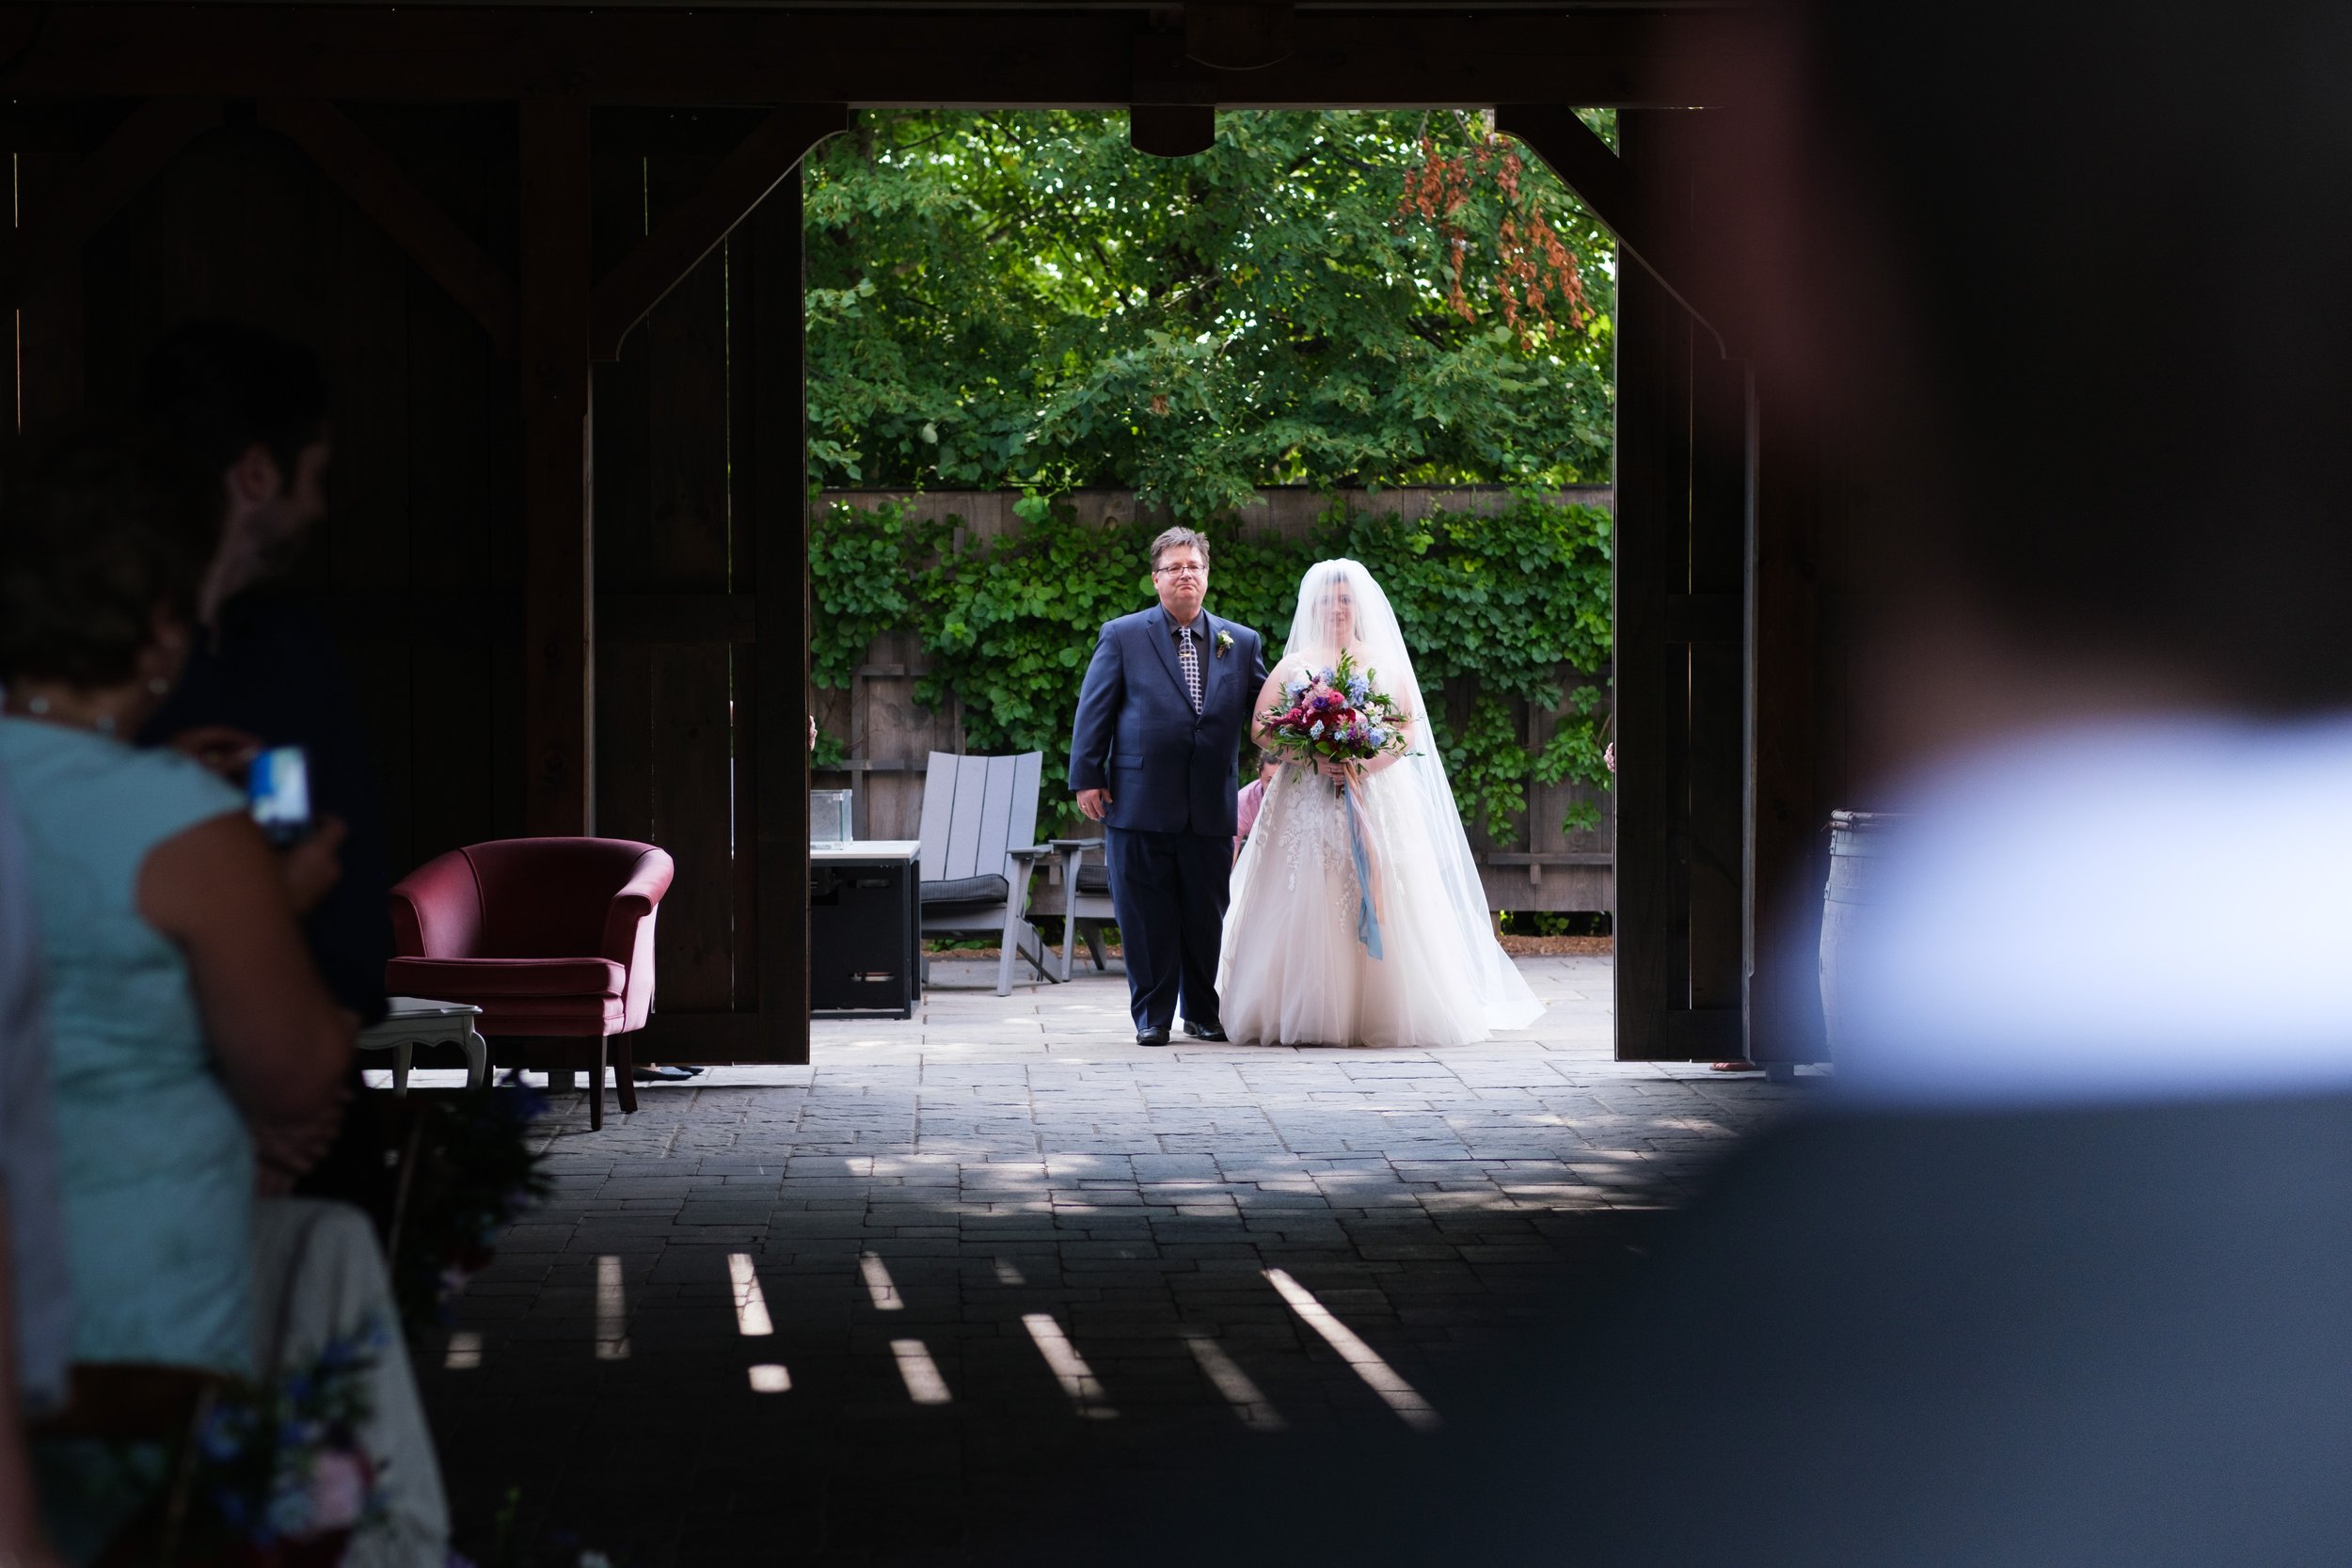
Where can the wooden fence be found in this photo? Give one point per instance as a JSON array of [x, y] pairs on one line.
[[1541, 866]]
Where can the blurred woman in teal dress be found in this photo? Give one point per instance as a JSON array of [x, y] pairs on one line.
[[198, 1058]]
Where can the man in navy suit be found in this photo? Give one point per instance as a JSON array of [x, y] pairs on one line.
[[1153, 757]]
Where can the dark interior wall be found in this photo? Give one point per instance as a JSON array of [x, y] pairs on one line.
[[418, 566], [419, 560]]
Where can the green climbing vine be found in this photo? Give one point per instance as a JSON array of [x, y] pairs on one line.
[[1501, 608]]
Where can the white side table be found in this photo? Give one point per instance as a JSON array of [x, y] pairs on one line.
[[413, 1020]]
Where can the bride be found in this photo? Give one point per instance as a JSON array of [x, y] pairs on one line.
[[1308, 957]]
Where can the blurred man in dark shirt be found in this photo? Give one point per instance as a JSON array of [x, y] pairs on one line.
[[263, 671]]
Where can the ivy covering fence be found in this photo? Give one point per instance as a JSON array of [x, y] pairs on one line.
[[1498, 607]]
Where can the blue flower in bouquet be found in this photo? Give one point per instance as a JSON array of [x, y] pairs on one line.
[[1327, 674], [1377, 736], [224, 1434], [289, 1515], [1315, 729], [1359, 691], [1292, 687]]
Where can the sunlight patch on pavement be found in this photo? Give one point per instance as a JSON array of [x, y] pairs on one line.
[[611, 1310], [920, 1372], [879, 1284], [1070, 1369], [1382, 1378], [1256, 1411], [750, 1302]]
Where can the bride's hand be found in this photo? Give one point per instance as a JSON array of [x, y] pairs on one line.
[[1339, 772]]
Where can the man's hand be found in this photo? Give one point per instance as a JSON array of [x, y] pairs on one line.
[[1094, 803], [314, 865], [220, 748]]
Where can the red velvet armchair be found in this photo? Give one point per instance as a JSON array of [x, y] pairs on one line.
[[552, 938]]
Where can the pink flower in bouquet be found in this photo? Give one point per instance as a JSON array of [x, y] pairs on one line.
[[339, 1490]]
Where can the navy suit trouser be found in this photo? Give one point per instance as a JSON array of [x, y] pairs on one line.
[[1169, 891]]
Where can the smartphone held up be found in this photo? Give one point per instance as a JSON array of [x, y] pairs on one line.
[[277, 786]]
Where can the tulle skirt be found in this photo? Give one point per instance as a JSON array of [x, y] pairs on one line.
[[1294, 968]]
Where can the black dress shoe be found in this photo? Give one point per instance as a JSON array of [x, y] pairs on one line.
[[1214, 1032], [1151, 1036]]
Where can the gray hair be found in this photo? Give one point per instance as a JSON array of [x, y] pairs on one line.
[[1170, 538]]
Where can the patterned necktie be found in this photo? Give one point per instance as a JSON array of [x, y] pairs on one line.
[[1190, 658]]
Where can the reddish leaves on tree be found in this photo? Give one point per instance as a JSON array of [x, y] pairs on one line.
[[1536, 275]]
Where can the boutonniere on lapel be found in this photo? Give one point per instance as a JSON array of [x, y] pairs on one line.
[[1224, 644]]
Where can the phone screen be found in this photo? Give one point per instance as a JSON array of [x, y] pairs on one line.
[[279, 787]]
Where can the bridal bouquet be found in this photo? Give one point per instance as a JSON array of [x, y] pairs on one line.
[[1335, 714]]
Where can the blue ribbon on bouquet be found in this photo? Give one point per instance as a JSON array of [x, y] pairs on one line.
[[1367, 919]]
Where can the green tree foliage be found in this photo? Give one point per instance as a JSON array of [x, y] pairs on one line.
[[1513, 606], [1020, 300]]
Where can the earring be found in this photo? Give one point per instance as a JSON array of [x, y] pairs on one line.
[[159, 686], [37, 705]]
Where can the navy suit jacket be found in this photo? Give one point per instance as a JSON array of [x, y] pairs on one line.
[[1169, 769]]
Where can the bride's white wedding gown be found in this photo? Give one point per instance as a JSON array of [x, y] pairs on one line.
[[1292, 968]]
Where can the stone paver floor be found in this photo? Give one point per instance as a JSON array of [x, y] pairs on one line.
[[877, 1309]]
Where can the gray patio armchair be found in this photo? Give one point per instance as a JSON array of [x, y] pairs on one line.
[[979, 855]]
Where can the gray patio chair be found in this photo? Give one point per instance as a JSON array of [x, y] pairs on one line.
[[980, 823], [1082, 898]]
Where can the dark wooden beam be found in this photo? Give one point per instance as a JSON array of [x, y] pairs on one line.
[[772, 455], [559, 594], [413, 220], [698, 225], [1645, 227], [945, 57], [1651, 564], [1240, 35], [101, 184]]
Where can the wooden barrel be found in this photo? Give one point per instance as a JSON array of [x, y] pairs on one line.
[[1857, 842]]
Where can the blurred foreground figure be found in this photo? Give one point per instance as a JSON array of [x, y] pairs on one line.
[[2059, 1273], [35, 1301]]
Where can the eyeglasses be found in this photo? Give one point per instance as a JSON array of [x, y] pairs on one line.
[[1179, 571]]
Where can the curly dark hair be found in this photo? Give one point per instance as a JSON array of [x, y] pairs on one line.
[[106, 530]]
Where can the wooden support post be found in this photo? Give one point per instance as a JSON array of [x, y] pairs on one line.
[[49, 347], [1788, 853], [776, 542], [1718, 702], [1652, 566], [559, 591]]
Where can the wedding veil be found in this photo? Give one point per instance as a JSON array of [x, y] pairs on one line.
[[1422, 793]]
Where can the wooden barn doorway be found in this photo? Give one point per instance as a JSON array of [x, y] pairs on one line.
[[552, 256]]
